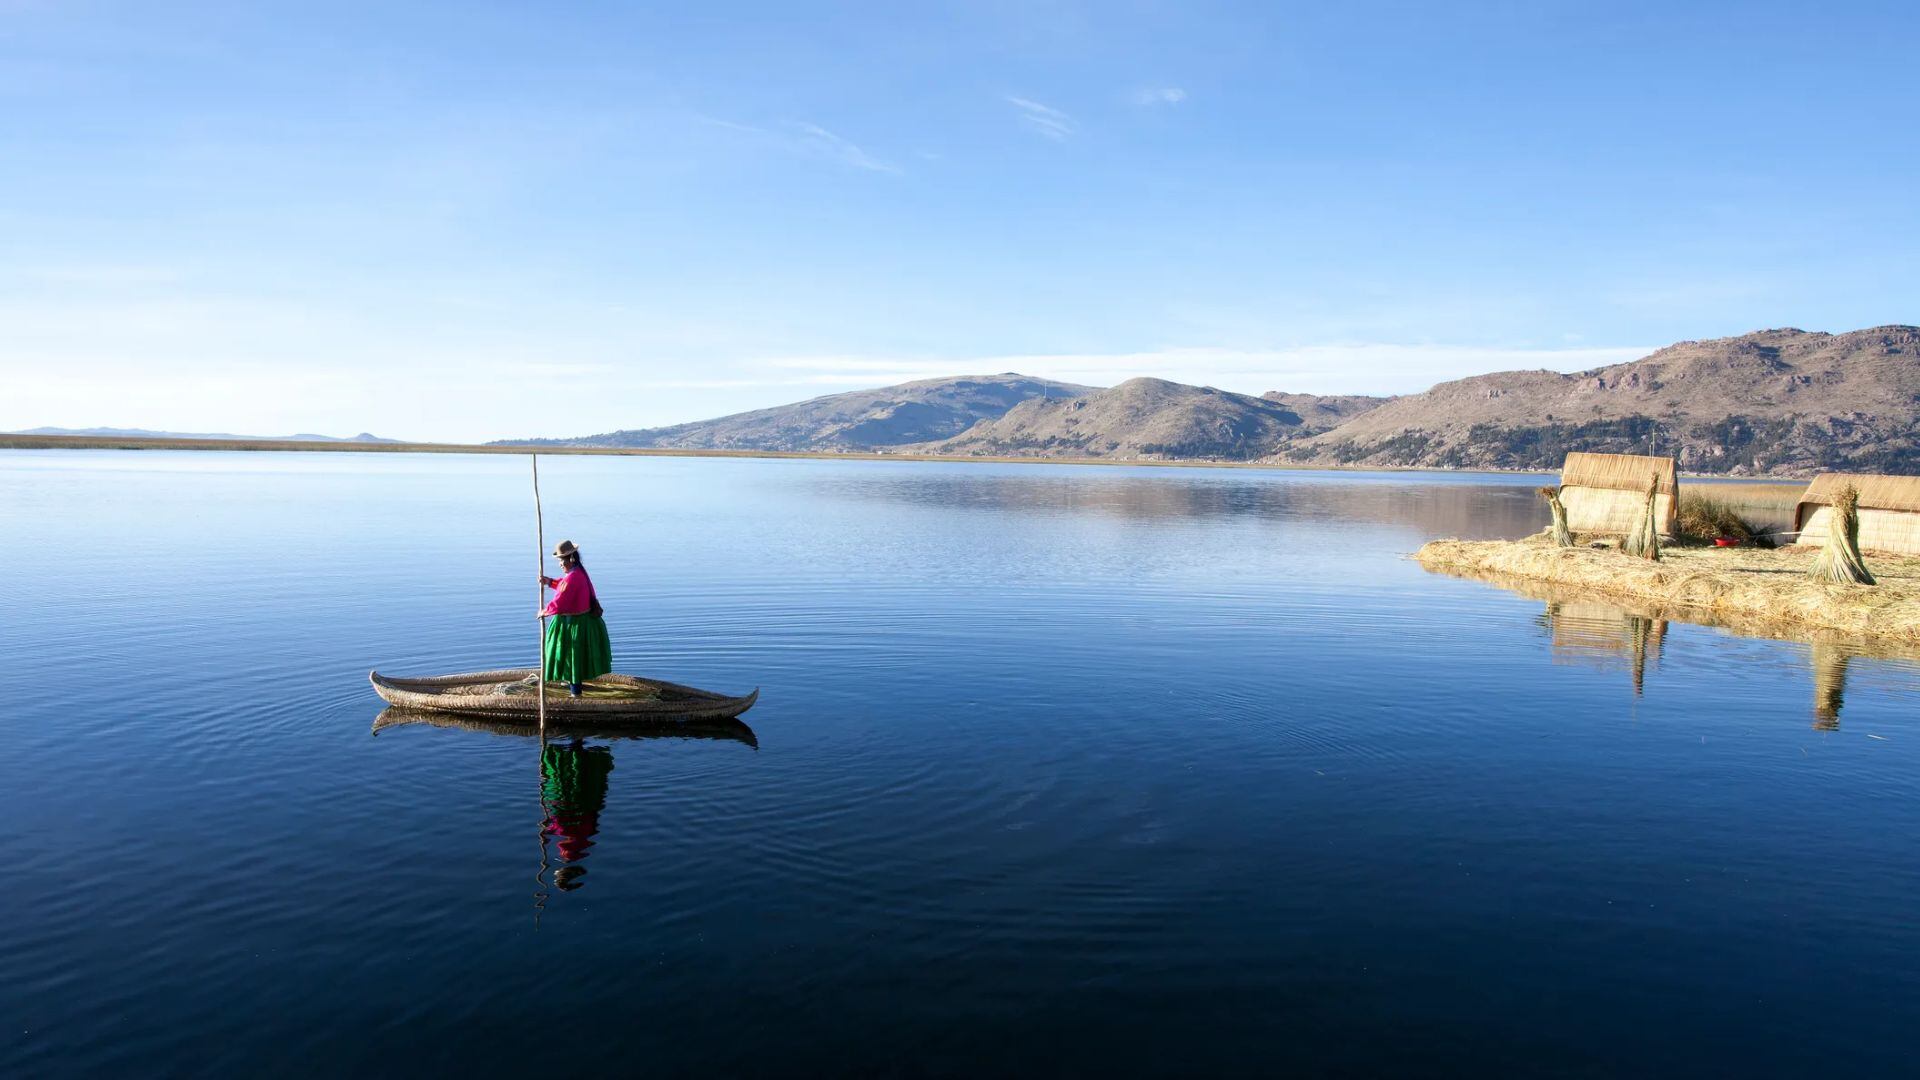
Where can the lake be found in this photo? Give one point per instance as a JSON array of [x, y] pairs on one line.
[[1064, 769]]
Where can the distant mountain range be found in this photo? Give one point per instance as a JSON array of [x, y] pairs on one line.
[[143, 433], [1771, 401], [893, 416], [1153, 418], [1001, 415]]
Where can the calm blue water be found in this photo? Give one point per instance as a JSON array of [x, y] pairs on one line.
[[1083, 770]]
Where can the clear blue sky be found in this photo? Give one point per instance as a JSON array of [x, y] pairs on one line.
[[475, 220]]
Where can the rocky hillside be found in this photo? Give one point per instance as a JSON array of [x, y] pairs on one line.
[[1146, 419], [915, 412], [1322, 412], [1773, 401]]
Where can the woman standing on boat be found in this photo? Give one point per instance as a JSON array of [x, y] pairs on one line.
[[577, 646]]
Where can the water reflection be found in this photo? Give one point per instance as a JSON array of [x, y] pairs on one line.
[[1463, 509], [1599, 634], [1829, 684], [574, 777], [1607, 633], [573, 791]]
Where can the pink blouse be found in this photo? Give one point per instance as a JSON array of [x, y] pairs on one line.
[[572, 595]]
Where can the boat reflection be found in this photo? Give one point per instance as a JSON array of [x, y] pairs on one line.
[[727, 730], [574, 777]]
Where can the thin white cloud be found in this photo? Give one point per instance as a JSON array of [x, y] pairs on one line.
[[811, 140], [826, 144], [733, 125], [1044, 119], [1160, 95]]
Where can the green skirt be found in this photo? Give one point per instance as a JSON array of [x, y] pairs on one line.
[[577, 648]]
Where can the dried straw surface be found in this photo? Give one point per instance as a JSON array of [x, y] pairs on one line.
[[1876, 492], [1606, 493], [1886, 532], [1889, 511], [1840, 561], [1620, 472], [1613, 512], [1757, 591], [1755, 494]]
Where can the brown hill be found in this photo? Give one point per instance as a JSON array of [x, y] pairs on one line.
[[1320, 412], [1776, 400], [1140, 418], [911, 412]]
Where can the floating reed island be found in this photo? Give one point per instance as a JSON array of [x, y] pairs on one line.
[[1622, 529], [1750, 587]]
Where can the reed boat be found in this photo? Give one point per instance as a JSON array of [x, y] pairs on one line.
[[515, 693]]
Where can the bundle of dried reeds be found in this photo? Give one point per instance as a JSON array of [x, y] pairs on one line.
[[1644, 540], [1562, 535], [1839, 561]]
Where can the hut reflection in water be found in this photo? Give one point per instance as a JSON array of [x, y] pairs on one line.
[[1599, 634], [1604, 634]]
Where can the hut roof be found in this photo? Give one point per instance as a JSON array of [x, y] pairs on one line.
[[1876, 493], [1619, 472]]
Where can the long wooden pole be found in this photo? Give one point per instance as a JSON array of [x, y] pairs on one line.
[[540, 657]]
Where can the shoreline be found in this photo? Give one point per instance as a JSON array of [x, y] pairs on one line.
[[107, 442], [1760, 591]]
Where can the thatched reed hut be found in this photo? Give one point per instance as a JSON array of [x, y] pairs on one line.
[[1889, 511], [1607, 493]]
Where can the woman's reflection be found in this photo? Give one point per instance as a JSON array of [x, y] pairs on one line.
[[573, 777], [573, 791]]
